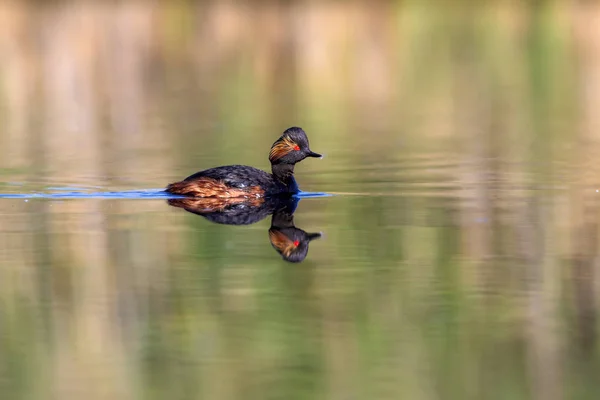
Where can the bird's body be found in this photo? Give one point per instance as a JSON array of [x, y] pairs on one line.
[[242, 181]]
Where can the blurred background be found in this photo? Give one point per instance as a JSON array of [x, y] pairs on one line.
[[460, 254]]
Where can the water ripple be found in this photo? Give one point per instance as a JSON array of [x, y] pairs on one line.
[[68, 193]]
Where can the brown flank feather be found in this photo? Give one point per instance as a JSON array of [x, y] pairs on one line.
[[213, 204], [282, 242], [208, 187], [283, 146]]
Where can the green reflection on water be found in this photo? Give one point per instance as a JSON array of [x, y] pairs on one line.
[[459, 258]]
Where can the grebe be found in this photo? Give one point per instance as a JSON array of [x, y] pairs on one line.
[[289, 241], [241, 181]]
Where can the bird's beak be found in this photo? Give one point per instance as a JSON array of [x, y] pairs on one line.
[[313, 154], [313, 236]]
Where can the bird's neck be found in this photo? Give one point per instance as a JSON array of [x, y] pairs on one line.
[[284, 173]]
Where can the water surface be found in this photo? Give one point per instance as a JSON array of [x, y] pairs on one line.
[[457, 202]]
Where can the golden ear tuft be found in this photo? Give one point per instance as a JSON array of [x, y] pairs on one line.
[[282, 242], [282, 148]]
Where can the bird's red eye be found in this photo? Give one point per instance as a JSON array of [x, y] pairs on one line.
[[296, 147], [296, 243]]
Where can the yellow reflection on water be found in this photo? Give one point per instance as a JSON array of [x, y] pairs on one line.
[[459, 253]]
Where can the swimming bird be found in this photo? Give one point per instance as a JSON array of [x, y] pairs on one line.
[[241, 181]]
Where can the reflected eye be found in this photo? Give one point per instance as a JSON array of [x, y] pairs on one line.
[[296, 147]]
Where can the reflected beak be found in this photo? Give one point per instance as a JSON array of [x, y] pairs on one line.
[[313, 236], [313, 154]]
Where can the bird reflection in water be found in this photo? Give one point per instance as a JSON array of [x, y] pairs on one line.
[[290, 242]]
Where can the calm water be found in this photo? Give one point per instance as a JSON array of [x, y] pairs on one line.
[[457, 203]]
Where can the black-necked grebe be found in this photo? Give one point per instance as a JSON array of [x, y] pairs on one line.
[[289, 241], [241, 181]]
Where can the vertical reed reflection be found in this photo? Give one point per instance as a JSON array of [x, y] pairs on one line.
[[584, 215], [474, 119]]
